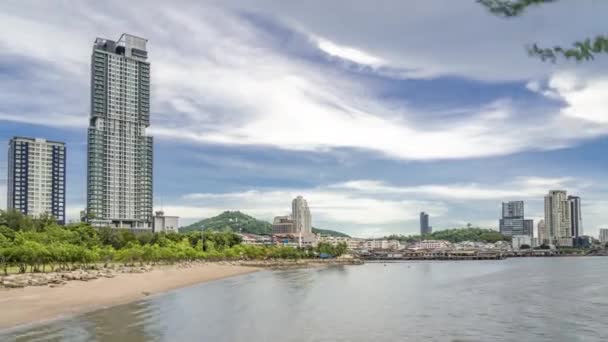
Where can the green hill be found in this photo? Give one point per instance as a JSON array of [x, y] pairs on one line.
[[328, 232], [234, 221], [238, 222]]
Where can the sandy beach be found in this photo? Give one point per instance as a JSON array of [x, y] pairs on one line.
[[34, 304]]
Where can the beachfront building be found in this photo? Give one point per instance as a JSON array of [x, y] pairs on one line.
[[381, 244], [519, 240], [119, 166], [164, 223], [351, 243], [36, 177], [558, 218], [432, 244]]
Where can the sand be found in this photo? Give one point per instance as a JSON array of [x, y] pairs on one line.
[[40, 303]]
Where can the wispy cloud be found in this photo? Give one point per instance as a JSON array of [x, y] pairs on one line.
[[526, 187], [220, 79]]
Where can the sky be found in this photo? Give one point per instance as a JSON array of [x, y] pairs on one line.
[[372, 110]]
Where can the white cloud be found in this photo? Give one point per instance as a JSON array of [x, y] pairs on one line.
[[338, 207], [349, 53], [525, 187], [218, 78]]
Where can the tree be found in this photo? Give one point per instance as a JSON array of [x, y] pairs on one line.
[[524, 246], [581, 50]]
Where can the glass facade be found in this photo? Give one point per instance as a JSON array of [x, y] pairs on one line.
[[119, 190]]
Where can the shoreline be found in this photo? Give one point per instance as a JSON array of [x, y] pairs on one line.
[[38, 304]]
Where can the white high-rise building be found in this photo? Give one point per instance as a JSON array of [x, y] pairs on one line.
[[36, 177], [301, 215], [558, 218], [119, 173], [603, 235]]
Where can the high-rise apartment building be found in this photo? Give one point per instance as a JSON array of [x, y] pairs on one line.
[[541, 234], [119, 173], [300, 213], [576, 219], [36, 177], [425, 228], [603, 235], [513, 222], [558, 226]]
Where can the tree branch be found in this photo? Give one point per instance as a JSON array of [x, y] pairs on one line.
[[507, 8]]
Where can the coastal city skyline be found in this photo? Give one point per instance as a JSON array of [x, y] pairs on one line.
[[363, 190]]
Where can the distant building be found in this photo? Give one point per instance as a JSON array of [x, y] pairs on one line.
[[513, 221], [603, 235], [519, 240], [513, 209], [382, 244], [301, 215], [432, 244], [36, 177], [541, 234], [283, 225], [425, 228], [164, 223], [576, 218], [558, 219]]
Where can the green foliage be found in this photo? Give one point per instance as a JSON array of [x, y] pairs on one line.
[[525, 247], [233, 221], [584, 50], [456, 235], [506, 8], [327, 232], [42, 243], [327, 248]]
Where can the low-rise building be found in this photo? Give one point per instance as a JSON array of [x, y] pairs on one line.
[[283, 225], [519, 240], [432, 244], [253, 239], [166, 224], [351, 243], [383, 244]]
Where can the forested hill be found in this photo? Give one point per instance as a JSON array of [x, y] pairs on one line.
[[234, 221], [238, 222]]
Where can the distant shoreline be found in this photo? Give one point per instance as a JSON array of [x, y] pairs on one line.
[[36, 304]]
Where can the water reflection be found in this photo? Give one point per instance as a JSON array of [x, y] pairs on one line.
[[558, 299]]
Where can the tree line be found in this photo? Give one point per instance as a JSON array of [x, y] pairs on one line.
[[38, 245], [456, 235]]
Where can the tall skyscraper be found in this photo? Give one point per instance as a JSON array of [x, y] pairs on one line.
[[119, 173], [425, 228], [301, 215], [558, 218], [576, 219], [513, 222], [36, 177]]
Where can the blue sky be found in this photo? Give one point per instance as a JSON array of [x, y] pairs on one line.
[[373, 112]]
